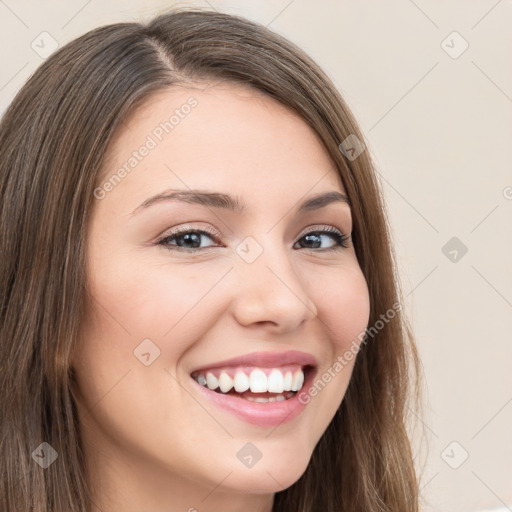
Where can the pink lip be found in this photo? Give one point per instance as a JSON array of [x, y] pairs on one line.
[[264, 360], [269, 414]]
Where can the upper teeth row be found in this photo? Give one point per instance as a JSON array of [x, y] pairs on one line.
[[257, 381]]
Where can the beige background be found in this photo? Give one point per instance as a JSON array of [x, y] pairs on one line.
[[439, 129]]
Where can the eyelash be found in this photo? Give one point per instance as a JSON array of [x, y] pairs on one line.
[[340, 238]]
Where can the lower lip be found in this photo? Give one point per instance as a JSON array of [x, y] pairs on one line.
[[269, 414]]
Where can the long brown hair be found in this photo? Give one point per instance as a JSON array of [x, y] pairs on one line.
[[53, 140]]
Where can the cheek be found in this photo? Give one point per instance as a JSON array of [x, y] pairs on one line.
[[171, 304], [344, 308]]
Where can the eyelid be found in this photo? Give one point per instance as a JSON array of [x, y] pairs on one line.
[[214, 233], [342, 239], [189, 227], [320, 227]]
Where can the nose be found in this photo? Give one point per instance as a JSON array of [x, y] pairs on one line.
[[271, 291]]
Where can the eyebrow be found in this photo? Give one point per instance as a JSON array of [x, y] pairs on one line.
[[234, 204]]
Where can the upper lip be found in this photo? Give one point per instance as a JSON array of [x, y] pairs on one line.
[[264, 360]]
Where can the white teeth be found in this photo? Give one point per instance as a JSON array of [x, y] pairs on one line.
[[287, 381], [225, 382], [298, 380], [259, 399], [264, 400], [211, 381], [275, 382], [241, 382], [258, 381]]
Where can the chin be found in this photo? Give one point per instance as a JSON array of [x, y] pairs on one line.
[[273, 476]]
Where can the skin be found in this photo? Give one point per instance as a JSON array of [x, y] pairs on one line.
[[151, 441]]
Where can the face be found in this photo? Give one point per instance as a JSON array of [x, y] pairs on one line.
[[188, 290]]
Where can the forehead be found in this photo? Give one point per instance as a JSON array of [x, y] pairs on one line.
[[224, 137]]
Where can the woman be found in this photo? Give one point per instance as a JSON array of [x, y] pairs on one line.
[[199, 302]]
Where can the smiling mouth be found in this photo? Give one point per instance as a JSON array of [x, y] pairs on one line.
[[255, 384]]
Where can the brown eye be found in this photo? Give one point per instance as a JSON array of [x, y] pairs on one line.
[[189, 239], [314, 238]]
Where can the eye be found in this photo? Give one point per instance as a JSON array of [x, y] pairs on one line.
[[188, 239], [315, 238]]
